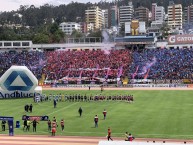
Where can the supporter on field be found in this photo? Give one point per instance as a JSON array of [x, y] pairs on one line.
[[54, 126], [109, 134], [28, 125], [80, 111], [30, 108], [126, 136], [55, 103], [96, 119], [62, 124], [54, 119], [104, 114], [49, 125], [3, 125], [25, 125], [34, 123], [129, 137]]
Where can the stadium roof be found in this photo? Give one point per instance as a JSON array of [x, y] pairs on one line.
[[134, 40]]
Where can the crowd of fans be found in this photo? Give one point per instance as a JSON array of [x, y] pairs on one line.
[[149, 63], [162, 64], [86, 63], [32, 60]]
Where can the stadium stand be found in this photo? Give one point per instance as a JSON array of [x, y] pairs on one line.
[[92, 64]]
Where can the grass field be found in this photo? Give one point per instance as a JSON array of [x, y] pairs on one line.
[[154, 114]]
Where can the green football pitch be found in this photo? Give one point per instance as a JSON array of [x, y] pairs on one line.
[[153, 114]]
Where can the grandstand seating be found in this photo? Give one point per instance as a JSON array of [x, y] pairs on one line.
[[146, 64]]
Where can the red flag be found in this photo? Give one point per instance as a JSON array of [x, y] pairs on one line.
[[146, 75]]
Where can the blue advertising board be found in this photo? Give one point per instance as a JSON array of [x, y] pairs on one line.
[[10, 123]]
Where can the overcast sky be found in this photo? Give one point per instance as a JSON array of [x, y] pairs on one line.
[[9, 5]]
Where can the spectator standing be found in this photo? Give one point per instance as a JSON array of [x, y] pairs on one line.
[[34, 125], [102, 89], [62, 124], [80, 111], [25, 125], [96, 119], [30, 108], [3, 125], [49, 125], [28, 125], [104, 114], [54, 125], [55, 103], [27, 108]]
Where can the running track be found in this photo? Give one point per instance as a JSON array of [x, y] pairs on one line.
[[69, 140], [47, 140]]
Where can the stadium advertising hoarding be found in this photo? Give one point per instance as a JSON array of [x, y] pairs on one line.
[[160, 85], [180, 39], [18, 82], [10, 124], [37, 118]]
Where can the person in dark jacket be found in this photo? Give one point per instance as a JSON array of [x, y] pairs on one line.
[[80, 111], [34, 122], [30, 108], [3, 125]]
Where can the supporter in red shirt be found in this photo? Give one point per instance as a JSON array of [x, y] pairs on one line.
[[96, 121], [104, 114], [62, 124], [109, 134], [54, 125]]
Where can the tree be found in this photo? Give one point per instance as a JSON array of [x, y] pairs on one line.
[[41, 38], [56, 35], [76, 34], [54, 28], [165, 30]]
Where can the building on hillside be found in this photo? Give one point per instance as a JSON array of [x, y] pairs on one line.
[[142, 14], [158, 13], [114, 15], [158, 24], [83, 27], [188, 15], [90, 27], [155, 28], [106, 18], [154, 31], [126, 14], [69, 27], [95, 16], [175, 15], [153, 9]]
